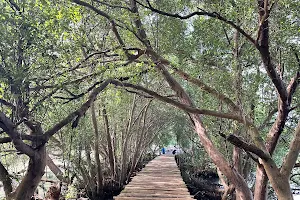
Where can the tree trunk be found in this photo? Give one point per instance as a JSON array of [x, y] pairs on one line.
[[111, 156], [97, 158], [260, 191], [236, 156], [138, 150], [124, 161], [33, 176], [283, 189], [125, 139], [91, 170], [277, 128], [54, 168], [234, 177], [6, 180]]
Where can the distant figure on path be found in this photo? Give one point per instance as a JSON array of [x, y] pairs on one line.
[[163, 150]]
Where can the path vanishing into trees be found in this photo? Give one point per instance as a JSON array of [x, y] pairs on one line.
[[160, 179]]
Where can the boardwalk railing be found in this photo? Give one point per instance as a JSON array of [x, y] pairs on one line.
[[160, 179]]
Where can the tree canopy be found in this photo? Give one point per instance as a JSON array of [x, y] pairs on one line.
[[103, 83]]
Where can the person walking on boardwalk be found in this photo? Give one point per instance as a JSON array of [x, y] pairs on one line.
[[163, 150]]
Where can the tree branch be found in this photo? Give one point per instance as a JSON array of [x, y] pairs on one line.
[[110, 19], [297, 165], [206, 88], [43, 99], [297, 58], [262, 45], [201, 13], [7, 125], [23, 137], [138, 23], [79, 65], [6, 103], [283, 111], [268, 118], [14, 6], [292, 155], [293, 86], [76, 96], [6, 180], [61, 85], [178, 104], [112, 6], [77, 114], [248, 147]]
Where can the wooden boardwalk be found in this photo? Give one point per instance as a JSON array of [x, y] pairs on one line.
[[160, 179]]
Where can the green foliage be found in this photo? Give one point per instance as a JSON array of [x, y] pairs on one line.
[[61, 48]]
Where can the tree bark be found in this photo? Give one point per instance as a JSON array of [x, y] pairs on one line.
[[260, 190], [138, 149], [111, 156], [97, 158], [277, 128], [54, 168], [91, 170], [33, 176], [6, 180], [125, 140], [236, 154]]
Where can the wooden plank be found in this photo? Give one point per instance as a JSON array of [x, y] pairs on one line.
[[161, 195], [149, 188], [160, 179], [139, 189], [151, 198]]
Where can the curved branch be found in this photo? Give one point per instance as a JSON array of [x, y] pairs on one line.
[[7, 125], [291, 89], [61, 85], [178, 104], [268, 118], [78, 65], [77, 114], [37, 104], [6, 103], [292, 155], [247, 147], [112, 6], [76, 96], [206, 88], [23, 136], [201, 13], [110, 19]]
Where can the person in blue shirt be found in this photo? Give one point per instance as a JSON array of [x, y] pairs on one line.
[[163, 150]]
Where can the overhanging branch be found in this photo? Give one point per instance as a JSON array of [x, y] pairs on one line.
[[177, 104], [23, 137], [206, 88], [77, 114], [110, 19], [6, 103], [247, 147], [7, 125], [214, 15]]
